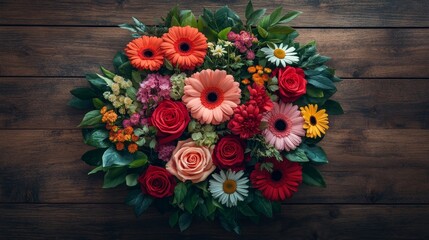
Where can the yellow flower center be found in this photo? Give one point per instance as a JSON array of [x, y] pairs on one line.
[[313, 120], [279, 53], [229, 186]]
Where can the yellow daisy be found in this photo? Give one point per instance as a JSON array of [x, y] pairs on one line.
[[315, 122]]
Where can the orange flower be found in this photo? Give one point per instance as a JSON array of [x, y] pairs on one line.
[[267, 70], [103, 110], [128, 130], [119, 146], [245, 81], [109, 117], [134, 138], [145, 53], [259, 67], [132, 148], [251, 69], [184, 46], [120, 137], [115, 128], [127, 137]]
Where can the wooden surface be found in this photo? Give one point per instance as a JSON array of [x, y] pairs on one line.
[[378, 176]]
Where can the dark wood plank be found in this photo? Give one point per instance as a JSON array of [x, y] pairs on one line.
[[366, 166], [328, 13], [73, 51], [369, 104], [89, 221]]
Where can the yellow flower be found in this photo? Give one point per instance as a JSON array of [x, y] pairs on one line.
[[315, 122]]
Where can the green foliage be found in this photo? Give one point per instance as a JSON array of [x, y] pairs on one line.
[[112, 157], [114, 177], [314, 153], [91, 118], [262, 205], [93, 157], [333, 107], [311, 176], [139, 201], [79, 103], [297, 155], [180, 192], [83, 93], [96, 138], [185, 221]]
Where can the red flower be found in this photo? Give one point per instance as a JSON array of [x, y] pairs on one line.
[[246, 120], [281, 183], [171, 119], [229, 153], [157, 182], [260, 96], [292, 83]]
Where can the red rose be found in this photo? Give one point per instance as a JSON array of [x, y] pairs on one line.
[[292, 83], [157, 182], [171, 119], [229, 153]]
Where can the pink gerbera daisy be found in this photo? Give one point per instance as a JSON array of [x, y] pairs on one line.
[[211, 96], [285, 126]]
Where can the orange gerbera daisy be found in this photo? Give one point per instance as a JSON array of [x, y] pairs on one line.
[[145, 53], [184, 46], [211, 96]]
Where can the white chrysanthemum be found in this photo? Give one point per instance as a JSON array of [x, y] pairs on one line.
[[218, 51], [229, 187], [280, 55]]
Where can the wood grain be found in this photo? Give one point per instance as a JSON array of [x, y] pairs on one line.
[[326, 13], [74, 51], [107, 221], [368, 104], [366, 166]]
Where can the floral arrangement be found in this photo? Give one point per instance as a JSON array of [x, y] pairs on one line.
[[210, 117]]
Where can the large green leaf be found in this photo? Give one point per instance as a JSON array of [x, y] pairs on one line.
[[297, 155], [83, 93], [185, 221], [91, 118], [93, 157], [79, 103], [262, 205], [180, 192], [333, 107], [96, 138], [311, 176], [315, 153], [322, 82], [114, 177], [112, 157], [98, 82]]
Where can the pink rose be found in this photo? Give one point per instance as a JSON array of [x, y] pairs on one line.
[[191, 162]]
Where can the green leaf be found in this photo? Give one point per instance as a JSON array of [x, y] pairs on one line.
[[246, 210], [96, 170], [262, 32], [143, 206], [174, 218], [254, 17], [180, 192], [223, 34], [131, 179], [333, 107], [322, 82], [262, 205], [279, 29], [97, 103], [275, 16], [97, 138], [98, 83], [93, 157], [114, 177], [140, 159], [249, 9], [107, 73], [190, 202], [311, 176], [91, 118], [297, 155], [131, 93], [315, 153], [136, 76], [79, 103], [128, 27], [139, 24], [83, 93], [112, 157], [185, 221], [119, 59], [289, 16], [314, 92]]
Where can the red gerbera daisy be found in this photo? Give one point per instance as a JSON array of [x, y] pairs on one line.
[[246, 120], [279, 184], [145, 53]]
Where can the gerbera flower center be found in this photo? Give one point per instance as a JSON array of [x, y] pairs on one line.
[[276, 175], [229, 186], [184, 47], [148, 53], [211, 97], [313, 120], [280, 125], [279, 53]]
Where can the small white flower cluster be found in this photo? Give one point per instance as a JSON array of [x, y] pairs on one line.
[[122, 102], [218, 50]]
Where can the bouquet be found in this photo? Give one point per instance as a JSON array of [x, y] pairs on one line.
[[210, 117]]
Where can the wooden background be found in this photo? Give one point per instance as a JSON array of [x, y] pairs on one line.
[[378, 176]]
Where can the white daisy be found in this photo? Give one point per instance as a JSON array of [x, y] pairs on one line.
[[280, 55], [229, 187], [218, 51]]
